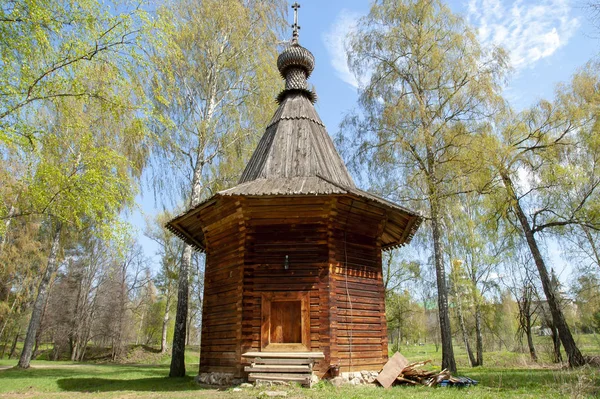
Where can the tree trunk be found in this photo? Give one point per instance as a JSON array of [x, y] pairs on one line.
[[573, 354], [40, 331], [163, 341], [117, 344], [3, 239], [448, 361], [557, 358], [189, 327], [525, 320], [37, 345], [177, 368], [71, 348], [532, 352], [12, 308], [82, 356], [463, 330], [595, 250], [40, 300], [399, 337], [178, 352], [139, 333], [76, 322], [13, 348], [478, 334], [3, 350], [90, 315]]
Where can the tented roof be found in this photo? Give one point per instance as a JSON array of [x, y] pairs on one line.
[[296, 157]]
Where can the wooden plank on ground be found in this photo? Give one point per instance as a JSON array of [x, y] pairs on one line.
[[392, 369]]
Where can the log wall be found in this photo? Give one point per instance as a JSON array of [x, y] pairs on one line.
[[222, 304], [296, 228], [357, 287], [333, 254]]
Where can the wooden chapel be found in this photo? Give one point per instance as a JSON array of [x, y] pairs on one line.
[[293, 252]]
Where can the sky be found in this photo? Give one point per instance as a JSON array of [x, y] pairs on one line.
[[548, 40]]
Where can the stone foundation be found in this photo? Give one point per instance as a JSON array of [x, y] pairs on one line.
[[355, 378], [228, 379], [223, 379]]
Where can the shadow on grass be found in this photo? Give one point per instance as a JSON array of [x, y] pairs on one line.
[[83, 370], [157, 384]]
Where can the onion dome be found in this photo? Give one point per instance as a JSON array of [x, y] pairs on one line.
[[295, 57], [295, 64]]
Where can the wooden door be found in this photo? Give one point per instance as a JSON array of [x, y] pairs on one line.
[[285, 322]]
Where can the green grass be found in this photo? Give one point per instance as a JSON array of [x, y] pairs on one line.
[[493, 383], [505, 376], [52, 379], [133, 354]]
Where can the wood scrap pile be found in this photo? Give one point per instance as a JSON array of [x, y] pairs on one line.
[[413, 375], [398, 371]]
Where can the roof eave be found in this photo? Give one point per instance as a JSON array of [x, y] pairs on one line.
[[175, 225], [414, 218]]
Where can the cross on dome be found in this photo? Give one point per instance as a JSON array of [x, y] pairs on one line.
[[295, 26], [295, 63]]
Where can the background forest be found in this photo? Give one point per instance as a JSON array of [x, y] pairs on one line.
[[101, 101]]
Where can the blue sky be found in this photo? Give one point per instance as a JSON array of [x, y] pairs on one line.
[[547, 40]]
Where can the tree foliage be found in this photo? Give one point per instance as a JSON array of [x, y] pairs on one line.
[[555, 144], [71, 121], [428, 85], [213, 82]]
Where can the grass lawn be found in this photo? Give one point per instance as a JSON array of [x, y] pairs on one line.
[[507, 375]]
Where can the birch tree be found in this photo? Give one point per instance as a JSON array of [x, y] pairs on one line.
[[53, 52], [213, 89], [555, 144], [427, 85], [72, 116]]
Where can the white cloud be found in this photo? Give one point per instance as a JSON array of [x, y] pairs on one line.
[[529, 32], [495, 276], [335, 40], [524, 179]]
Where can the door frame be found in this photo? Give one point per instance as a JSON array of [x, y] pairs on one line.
[[265, 327]]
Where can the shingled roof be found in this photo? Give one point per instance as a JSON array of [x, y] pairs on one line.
[[296, 144], [296, 157]]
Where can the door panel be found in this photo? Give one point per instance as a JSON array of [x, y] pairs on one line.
[[286, 322]]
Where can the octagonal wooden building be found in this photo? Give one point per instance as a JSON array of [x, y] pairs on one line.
[[293, 252]]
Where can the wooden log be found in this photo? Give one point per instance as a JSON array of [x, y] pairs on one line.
[[403, 380]]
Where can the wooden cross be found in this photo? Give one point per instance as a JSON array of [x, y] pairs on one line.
[[295, 26]]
